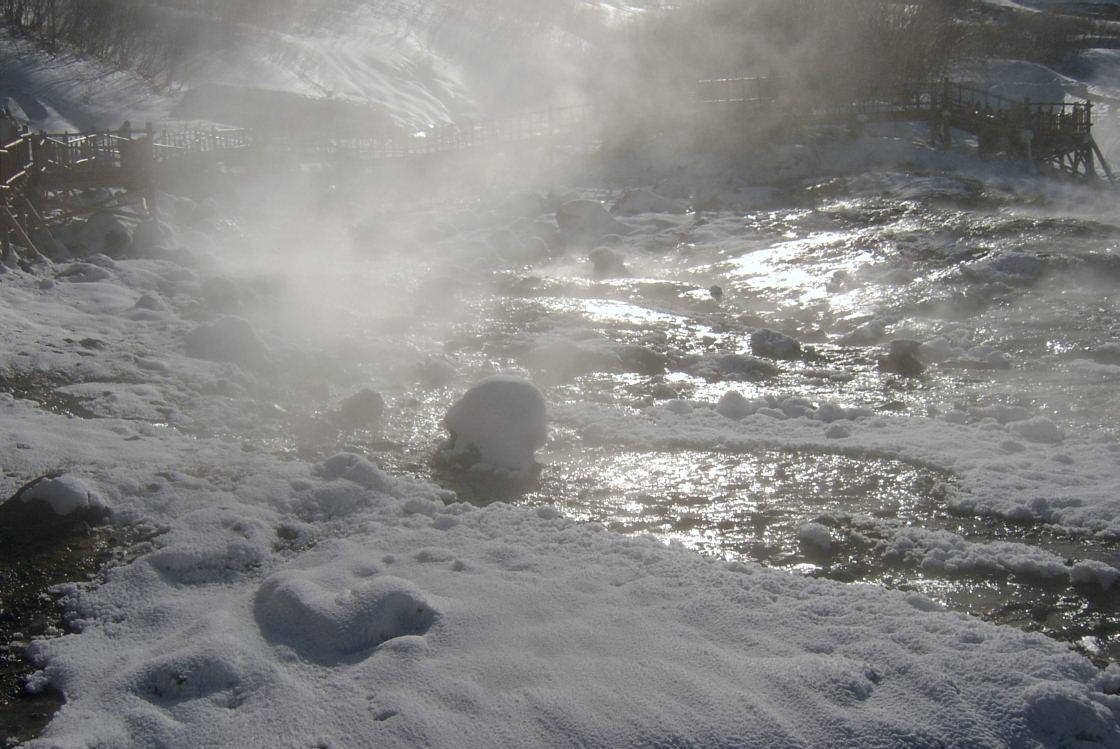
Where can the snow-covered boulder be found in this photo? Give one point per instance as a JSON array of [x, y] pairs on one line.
[[586, 222], [499, 423], [774, 345], [734, 405], [227, 339], [1093, 572], [815, 538], [64, 495]]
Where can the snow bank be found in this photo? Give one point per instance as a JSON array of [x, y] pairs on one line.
[[500, 626]]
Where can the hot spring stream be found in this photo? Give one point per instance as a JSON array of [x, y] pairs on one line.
[[1015, 299]]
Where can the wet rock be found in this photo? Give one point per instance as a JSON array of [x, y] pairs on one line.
[[774, 345], [606, 263], [723, 366], [362, 410], [902, 358], [634, 202], [870, 332], [586, 222], [150, 237], [437, 371], [716, 293]]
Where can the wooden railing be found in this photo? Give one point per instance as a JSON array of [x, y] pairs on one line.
[[764, 95]]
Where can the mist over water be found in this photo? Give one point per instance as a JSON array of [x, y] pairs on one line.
[[420, 294]]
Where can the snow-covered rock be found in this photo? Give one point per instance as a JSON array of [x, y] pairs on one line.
[[734, 405], [815, 537], [227, 339], [64, 495], [500, 422]]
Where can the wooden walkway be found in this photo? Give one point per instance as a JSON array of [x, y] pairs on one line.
[[1051, 136]]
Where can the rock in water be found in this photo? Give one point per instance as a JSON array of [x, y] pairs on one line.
[[902, 358], [49, 507], [607, 263], [362, 410], [586, 222], [500, 422], [774, 345]]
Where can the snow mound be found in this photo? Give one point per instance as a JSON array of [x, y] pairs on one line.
[[65, 494], [216, 672], [326, 614], [734, 405], [152, 236], [503, 419], [1039, 429], [227, 339], [212, 545], [1092, 572]]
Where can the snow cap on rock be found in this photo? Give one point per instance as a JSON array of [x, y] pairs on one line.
[[503, 419], [64, 494]]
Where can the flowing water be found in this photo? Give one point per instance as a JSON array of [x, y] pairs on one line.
[[1021, 293]]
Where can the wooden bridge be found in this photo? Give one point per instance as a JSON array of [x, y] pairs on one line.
[[1054, 137], [1050, 136]]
